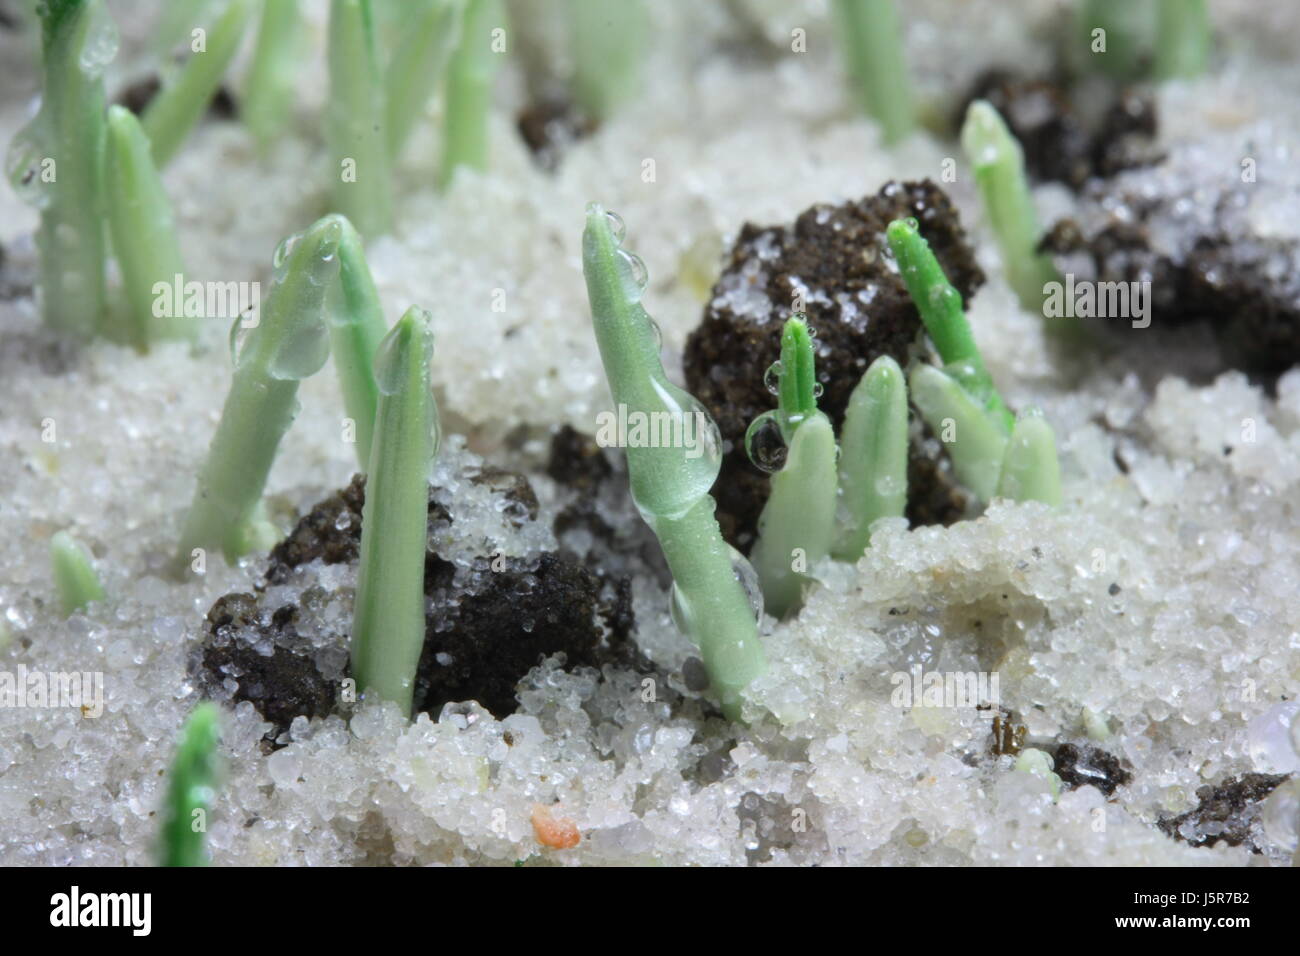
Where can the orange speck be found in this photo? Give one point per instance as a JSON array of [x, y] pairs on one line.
[[559, 833]]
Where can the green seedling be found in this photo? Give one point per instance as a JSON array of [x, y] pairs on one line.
[[144, 233], [177, 108], [608, 43], [56, 164], [289, 343], [418, 64], [191, 791], [388, 620], [797, 525], [999, 166], [873, 51], [358, 141], [1182, 39], [356, 326], [670, 482], [469, 89], [74, 574], [268, 92], [873, 455]]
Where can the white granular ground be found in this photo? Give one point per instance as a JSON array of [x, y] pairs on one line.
[[1154, 614]]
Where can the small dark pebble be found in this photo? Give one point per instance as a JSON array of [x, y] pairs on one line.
[[1226, 811], [694, 675], [1113, 589], [1079, 766], [138, 95], [838, 251]]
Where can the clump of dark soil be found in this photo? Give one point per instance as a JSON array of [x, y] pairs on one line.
[[833, 265], [1081, 766], [1226, 812], [1063, 143], [549, 126], [486, 625]]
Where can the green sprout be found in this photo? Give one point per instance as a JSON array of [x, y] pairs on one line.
[[289, 343], [191, 790], [74, 574], [178, 18], [1112, 33], [388, 620], [797, 525], [356, 326], [469, 91], [670, 481], [417, 65], [181, 102], [268, 93], [992, 452], [873, 50], [999, 164], [608, 47], [943, 314], [873, 455], [55, 163], [1039, 763], [1182, 39], [358, 142], [144, 234]]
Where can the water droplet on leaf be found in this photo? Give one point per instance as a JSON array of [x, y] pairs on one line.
[[772, 377], [764, 443]]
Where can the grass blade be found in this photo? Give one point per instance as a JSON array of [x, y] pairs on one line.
[[74, 574], [191, 790], [268, 92], [873, 455], [358, 143]]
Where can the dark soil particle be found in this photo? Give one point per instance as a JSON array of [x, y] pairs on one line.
[[549, 126], [1080, 766], [1226, 811], [138, 95], [486, 626], [833, 259], [1059, 142]]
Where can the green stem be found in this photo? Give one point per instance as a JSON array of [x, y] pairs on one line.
[[359, 144], [388, 619], [942, 312], [797, 524], [797, 389], [56, 163], [1182, 39], [427, 40], [74, 574], [1122, 21], [608, 45], [873, 455], [1030, 470], [974, 439], [670, 481], [177, 107], [289, 343], [469, 91], [356, 324], [873, 49], [268, 92], [1000, 174], [144, 234], [191, 790]]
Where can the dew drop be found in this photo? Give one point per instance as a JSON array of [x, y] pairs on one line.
[[772, 377], [911, 223], [946, 296], [238, 339], [658, 334], [818, 389], [301, 353], [100, 45], [616, 225], [635, 274], [764, 443], [748, 578], [967, 374], [27, 151]]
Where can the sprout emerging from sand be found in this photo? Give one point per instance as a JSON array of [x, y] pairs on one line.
[[358, 140], [992, 452], [74, 575], [670, 485], [873, 52], [469, 90], [191, 790], [388, 619]]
